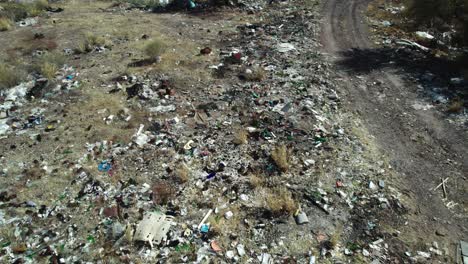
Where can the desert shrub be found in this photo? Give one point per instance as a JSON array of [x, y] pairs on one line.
[[89, 42], [240, 137], [155, 48], [49, 64], [279, 201], [280, 157], [5, 24], [182, 173], [256, 181], [9, 77]]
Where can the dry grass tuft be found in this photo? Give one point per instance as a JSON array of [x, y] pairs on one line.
[[256, 181], [155, 48], [256, 74], [279, 201], [8, 76], [280, 157], [48, 70], [455, 106], [90, 42], [49, 64], [5, 24], [240, 137], [182, 173]]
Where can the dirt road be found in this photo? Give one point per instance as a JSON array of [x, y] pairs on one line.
[[421, 145]]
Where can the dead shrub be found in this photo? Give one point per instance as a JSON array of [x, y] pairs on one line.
[[182, 173], [240, 137], [90, 42], [49, 64], [9, 77], [455, 106], [256, 181], [280, 157], [155, 48], [163, 192], [279, 201], [5, 24]]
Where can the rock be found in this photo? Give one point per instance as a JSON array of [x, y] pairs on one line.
[[372, 186], [301, 218], [440, 232]]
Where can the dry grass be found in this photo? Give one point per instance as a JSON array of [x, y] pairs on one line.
[[5, 24], [182, 173], [455, 106], [90, 42], [240, 137], [280, 157], [256, 181], [255, 74], [49, 64], [279, 201], [9, 77], [155, 48], [48, 70]]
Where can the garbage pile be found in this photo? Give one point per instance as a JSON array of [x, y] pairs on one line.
[[16, 111], [259, 168]]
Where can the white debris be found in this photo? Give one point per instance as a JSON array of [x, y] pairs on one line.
[[285, 47], [240, 250], [424, 254], [162, 109], [230, 254], [372, 185], [229, 214], [153, 228], [424, 35], [27, 22]]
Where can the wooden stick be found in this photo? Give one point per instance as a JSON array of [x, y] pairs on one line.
[[438, 186]]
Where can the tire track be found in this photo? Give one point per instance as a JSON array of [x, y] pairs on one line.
[[394, 122]]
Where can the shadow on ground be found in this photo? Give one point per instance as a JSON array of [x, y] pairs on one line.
[[434, 74]]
